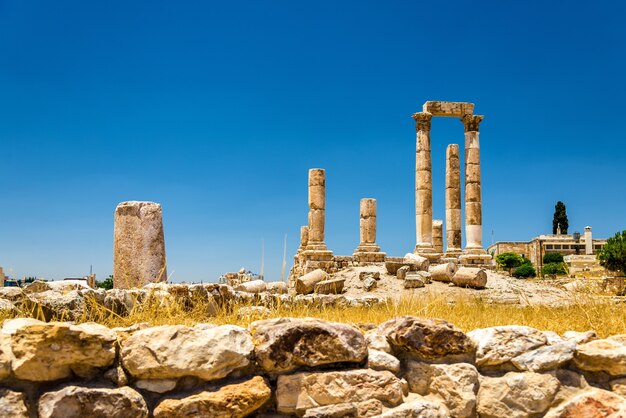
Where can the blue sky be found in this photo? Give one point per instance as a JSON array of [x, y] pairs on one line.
[[218, 109]]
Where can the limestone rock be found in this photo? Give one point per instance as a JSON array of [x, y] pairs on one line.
[[120, 301], [498, 345], [298, 392], [580, 337], [421, 408], [284, 344], [369, 283], [6, 356], [470, 277], [402, 272], [37, 286], [13, 294], [516, 395], [443, 272], [276, 287], [13, 404], [379, 360], [230, 401], [55, 305], [413, 281], [329, 287], [253, 286], [456, 384], [427, 339], [52, 351], [340, 410], [417, 262], [365, 274], [595, 403], [172, 351], [544, 358], [80, 402], [553, 338], [608, 355], [156, 385], [306, 284], [376, 341], [138, 245]]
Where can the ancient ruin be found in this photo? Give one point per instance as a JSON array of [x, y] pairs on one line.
[[138, 245], [368, 251]]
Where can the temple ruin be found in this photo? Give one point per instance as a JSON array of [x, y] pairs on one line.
[[313, 253]]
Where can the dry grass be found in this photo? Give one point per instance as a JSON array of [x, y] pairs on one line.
[[605, 316]]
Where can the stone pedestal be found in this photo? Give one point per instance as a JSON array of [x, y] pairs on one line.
[[474, 253], [368, 251], [138, 245], [423, 188], [453, 203]]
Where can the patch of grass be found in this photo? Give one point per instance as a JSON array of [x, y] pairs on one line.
[[604, 315]]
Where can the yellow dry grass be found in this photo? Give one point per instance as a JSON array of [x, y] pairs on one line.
[[604, 315]]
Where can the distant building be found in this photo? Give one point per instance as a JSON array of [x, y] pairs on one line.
[[564, 244]]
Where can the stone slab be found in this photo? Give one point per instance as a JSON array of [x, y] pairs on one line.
[[450, 109]]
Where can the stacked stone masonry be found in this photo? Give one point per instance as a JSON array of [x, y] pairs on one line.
[[306, 367]]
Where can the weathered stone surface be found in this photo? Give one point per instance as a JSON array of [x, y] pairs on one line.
[[470, 277], [329, 287], [52, 351], [276, 287], [456, 384], [594, 403], [443, 272], [365, 409], [427, 339], [369, 284], [173, 351], [416, 261], [544, 358], [377, 341], [421, 408], [230, 401], [451, 109], [284, 344], [58, 306], [498, 345], [156, 385], [138, 245], [402, 272], [37, 286], [298, 392], [256, 312], [6, 356], [413, 282], [253, 286], [120, 301], [379, 360], [580, 337], [81, 402], [516, 395], [13, 404], [608, 355], [306, 284]]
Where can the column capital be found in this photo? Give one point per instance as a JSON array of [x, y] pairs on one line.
[[422, 120], [471, 122]]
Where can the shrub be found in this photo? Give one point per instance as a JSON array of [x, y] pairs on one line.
[[612, 255], [509, 261], [106, 283], [554, 269], [524, 271], [552, 258]]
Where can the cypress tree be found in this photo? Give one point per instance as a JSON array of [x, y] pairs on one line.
[[560, 218]]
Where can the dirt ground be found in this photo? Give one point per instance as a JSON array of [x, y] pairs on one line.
[[500, 288]]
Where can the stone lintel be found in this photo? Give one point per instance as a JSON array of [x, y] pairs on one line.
[[449, 109]]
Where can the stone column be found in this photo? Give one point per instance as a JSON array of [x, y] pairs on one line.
[[304, 236], [438, 235], [473, 200], [423, 185], [453, 201], [317, 209], [138, 245], [368, 251], [1, 277], [588, 241]]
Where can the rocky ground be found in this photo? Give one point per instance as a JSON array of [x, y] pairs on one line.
[[500, 288]]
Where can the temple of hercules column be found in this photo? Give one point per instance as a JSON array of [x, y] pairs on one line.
[[368, 251]]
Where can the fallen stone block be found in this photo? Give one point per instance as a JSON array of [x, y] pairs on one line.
[[329, 287], [470, 277], [306, 284]]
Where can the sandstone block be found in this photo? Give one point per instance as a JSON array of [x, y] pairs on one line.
[[498, 345], [298, 392], [328, 287], [138, 245], [470, 277], [379, 360], [369, 283], [230, 401], [376, 341], [80, 402], [544, 358], [276, 287], [580, 337], [253, 286], [419, 262], [402, 272], [306, 284], [516, 395], [421, 408], [173, 351], [284, 344], [413, 281], [52, 351], [427, 339]]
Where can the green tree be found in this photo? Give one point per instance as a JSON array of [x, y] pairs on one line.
[[612, 255], [524, 271], [106, 283], [560, 218], [552, 258], [554, 269], [509, 260]]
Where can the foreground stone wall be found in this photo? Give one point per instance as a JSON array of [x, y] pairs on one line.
[[405, 367]]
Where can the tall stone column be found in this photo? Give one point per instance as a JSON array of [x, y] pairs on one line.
[[138, 245], [474, 251], [368, 250], [453, 202], [438, 235], [423, 186], [317, 209]]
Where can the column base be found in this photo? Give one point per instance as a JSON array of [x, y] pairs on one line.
[[477, 259], [428, 251]]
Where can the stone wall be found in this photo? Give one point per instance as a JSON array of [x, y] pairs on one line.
[[284, 367]]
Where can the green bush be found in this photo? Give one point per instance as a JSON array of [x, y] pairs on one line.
[[524, 271], [106, 283], [554, 269], [552, 258], [612, 255], [509, 261]]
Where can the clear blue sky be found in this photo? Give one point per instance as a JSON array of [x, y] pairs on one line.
[[218, 109]]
